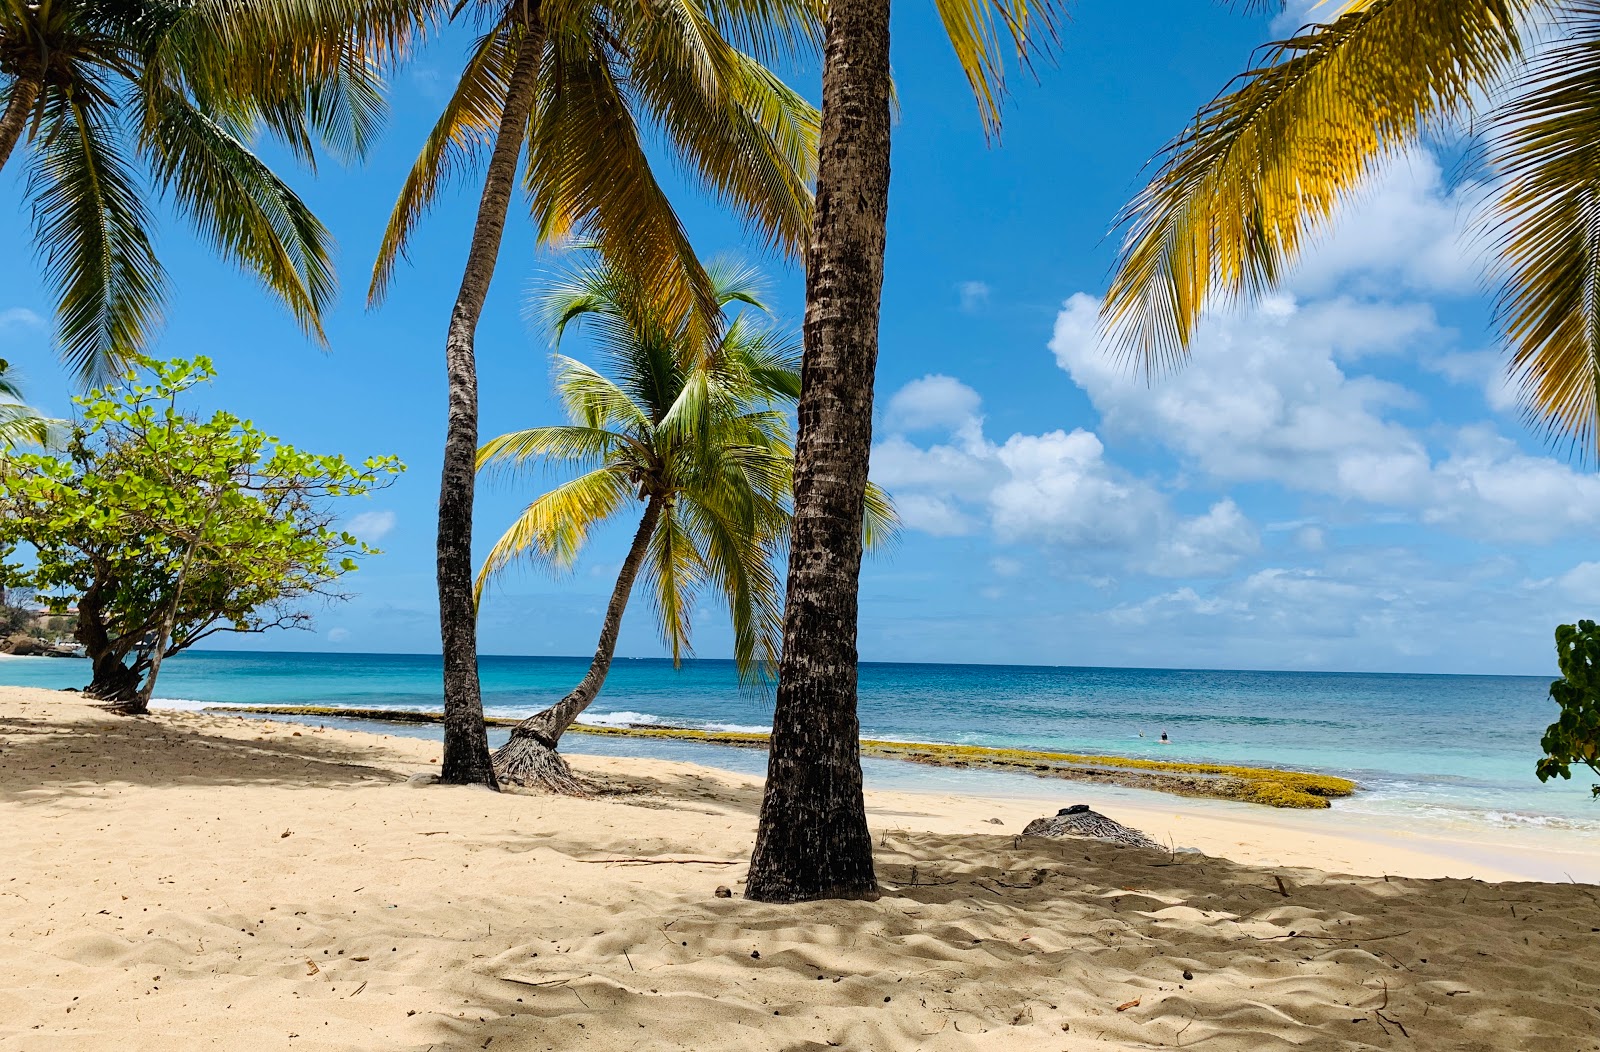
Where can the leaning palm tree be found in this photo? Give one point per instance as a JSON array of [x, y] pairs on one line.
[[94, 90], [21, 424], [697, 445], [1266, 164], [574, 81], [813, 840]]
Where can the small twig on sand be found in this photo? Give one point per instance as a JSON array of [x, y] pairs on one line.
[[1282, 889], [546, 982], [631, 968]]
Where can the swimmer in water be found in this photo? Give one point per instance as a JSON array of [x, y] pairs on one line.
[[1164, 739]]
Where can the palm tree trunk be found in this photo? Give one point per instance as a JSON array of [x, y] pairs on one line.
[[529, 758], [466, 743], [813, 841], [24, 93]]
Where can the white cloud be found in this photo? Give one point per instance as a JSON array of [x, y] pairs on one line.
[[935, 402], [338, 635], [1056, 490], [1265, 398], [1206, 545], [1406, 229], [372, 526], [974, 296], [20, 318]]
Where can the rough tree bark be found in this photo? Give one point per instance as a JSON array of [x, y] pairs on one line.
[[813, 841], [466, 758], [530, 758], [112, 681], [24, 93]]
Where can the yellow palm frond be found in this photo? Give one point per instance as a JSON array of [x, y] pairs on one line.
[[1265, 164], [983, 31], [674, 572], [571, 447], [554, 528], [1546, 145], [453, 147]]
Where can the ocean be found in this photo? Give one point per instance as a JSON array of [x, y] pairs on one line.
[[1440, 752]]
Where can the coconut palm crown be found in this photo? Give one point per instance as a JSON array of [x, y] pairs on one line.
[[106, 97], [1244, 189], [703, 439]]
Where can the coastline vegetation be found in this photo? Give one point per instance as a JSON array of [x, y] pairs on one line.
[[1271, 786], [163, 528]]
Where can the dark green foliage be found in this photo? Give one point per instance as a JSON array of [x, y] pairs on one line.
[[1575, 737]]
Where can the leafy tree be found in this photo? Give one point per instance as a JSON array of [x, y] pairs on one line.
[[95, 88], [701, 442], [1575, 737], [813, 841], [15, 614], [576, 82], [1265, 165], [166, 528], [20, 423]]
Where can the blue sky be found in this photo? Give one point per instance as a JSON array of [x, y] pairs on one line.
[[1338, 480]]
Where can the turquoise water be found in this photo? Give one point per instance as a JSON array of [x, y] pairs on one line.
[[1458, 749]]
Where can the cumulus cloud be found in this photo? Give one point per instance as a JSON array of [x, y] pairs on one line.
[[935, 402], [338, 635], [1267, 397], [1406, 229], [1056, 490], [372, 526]]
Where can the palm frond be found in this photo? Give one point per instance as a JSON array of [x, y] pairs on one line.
[[238, 204], [674, 573], [583, 448], [1545, 143], [588, 171], [881, 524], [452, 149], [594, 400], [91, 224], [554, 528], [747, 136], [983, 31], [1265, 164]]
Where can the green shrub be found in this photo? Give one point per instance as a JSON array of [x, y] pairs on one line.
[[1575, 736]]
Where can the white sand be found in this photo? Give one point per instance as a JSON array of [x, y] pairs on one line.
[[189, 881]]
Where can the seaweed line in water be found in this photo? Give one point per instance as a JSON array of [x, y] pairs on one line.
[[1259, 785]]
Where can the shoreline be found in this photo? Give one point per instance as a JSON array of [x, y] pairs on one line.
[[1269, 786], [177, 881], [1352, 842]]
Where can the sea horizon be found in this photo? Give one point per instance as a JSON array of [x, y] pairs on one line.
[[1547, 676], [1431, 751]]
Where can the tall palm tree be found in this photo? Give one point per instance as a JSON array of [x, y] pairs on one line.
[[1266, 163], [696, 444], [574, 81], [813, 841], [21, 424], [93, 89]]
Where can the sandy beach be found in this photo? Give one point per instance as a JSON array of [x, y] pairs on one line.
[[202, 881]]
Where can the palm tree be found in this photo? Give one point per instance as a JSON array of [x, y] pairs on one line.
[[1267, 162], [20, 423], [813, 840], [697, 444], [573, 81], [94, 88]]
